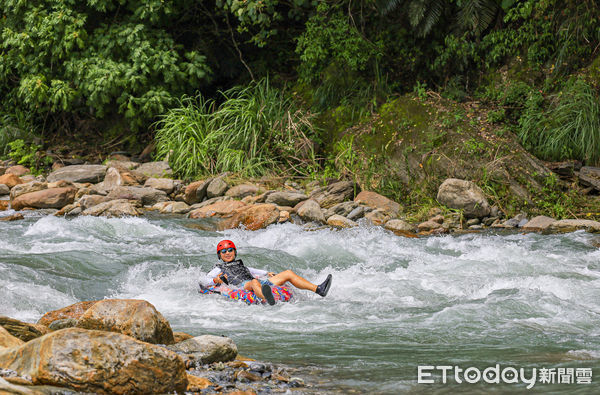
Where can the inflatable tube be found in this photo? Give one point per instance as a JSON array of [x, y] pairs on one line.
[[282, 294]]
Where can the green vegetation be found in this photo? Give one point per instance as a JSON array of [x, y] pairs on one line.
[[255, 129]]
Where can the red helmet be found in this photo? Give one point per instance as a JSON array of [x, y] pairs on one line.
[[225, 244]]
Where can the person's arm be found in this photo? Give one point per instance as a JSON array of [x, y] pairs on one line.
[[207, 280]]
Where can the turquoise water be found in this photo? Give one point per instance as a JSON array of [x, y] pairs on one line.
[[472, 301]]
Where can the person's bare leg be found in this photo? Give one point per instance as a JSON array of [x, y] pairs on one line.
[[294, 279], [256, 286]]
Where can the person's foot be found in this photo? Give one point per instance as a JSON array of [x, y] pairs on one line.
[[268, 294], [323, 288]]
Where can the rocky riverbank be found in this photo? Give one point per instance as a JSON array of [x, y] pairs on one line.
[[125, 346], [121, 187]]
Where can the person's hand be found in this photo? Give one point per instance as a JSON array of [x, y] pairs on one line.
[[270, 274], [220, 279]]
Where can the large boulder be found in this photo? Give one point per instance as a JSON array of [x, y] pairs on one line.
[[339, 221], [378, 202], [333, 194], [206, 349], [22, 330], [88, 201], [172, 207], [10, 180], [166, 185], [114, 208], [283, 198], [136, 318], [79, 173], [4, 190], [28, 187], [196, 191], [540, 223], [219, 209], [75, 310], [98, 362], [242, 190], [46, 198], [147, 196], [252, 217], [155, 169], [311, 211], [571, 225], [464, 195], [7, 340], [217, 187], [18, 170]]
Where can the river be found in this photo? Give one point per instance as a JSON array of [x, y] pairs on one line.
[[472, 301]]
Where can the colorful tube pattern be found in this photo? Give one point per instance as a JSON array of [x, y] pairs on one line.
[[282, 294]]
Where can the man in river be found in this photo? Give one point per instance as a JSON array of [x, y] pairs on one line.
[[234, 272]]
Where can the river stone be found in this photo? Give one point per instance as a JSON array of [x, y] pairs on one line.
[[333, 194], [88, 201], [340, 222], [428, 226], [344, 208], [378, 202], [196, 191], [10, 180], [590, 176], [112, 180], [75, 310], [123, 164], [539, 224], [4, 190], [172, 207], [571, 225], [155, 169], [357, 213], [242, 190], [62, 324], [464, 195], [4, 205], [377, 217], [211, 201], [7, 340], [114, 208], [8, 386], [147, 196], [79, 173], [97, 362], [136, 318], [398, 225], [181, 336], [219, 209], [46, 198], [311, 211], [197, 384], [252, 217], [17, 170], [217, 187], [282, 198], [206, 349], [166, 185], [22, 330]]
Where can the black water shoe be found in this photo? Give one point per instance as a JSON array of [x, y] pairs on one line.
[[268, 294], [323, 288]]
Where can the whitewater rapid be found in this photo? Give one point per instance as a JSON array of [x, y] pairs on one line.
[[396, 303]]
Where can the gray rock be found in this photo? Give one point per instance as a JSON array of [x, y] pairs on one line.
[[206, 349], [518, 220], [357, 213], [88, 201], [282, 198], [147, 196], [155, 169], [539, 223], [242, 190], [590, 176], [464, 195], [571, 225], [113, 208], [399, 225], [79, 173], [333, 194], [473, 221], [4, 190], [172, 207], [311, 211], [61, 324], [340, 222], [123, 164], [166, 185], [112, 180], [217, 187], [344, 208]]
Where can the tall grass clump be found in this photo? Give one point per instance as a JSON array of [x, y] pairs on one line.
[[256, 129], [569, 126]]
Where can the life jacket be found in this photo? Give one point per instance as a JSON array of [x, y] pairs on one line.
[[236, 272]]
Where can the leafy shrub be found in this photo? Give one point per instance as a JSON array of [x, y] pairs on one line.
[[256, 129]]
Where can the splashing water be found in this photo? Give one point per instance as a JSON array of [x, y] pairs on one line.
[[528, 301]]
